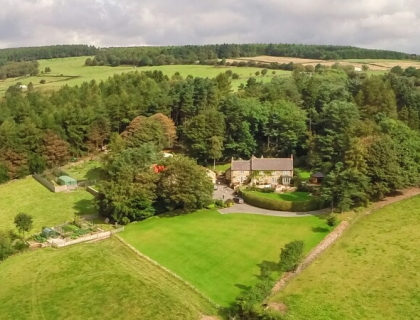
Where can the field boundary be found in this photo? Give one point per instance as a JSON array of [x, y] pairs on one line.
[[204, 296], [315, 252], [333, 237]]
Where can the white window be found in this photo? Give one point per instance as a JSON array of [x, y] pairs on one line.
[[285, 173], [274, 180], [242, 172]]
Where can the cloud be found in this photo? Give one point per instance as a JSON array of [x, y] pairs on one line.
[[383, 24]]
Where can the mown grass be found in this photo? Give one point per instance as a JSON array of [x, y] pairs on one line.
[[72, 71], [372, 272], [46, 208], [286, 196], [88, 170], [220, 254], [103, 280]]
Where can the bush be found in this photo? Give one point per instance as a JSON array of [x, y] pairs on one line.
[[291, 255], [266, 190], [20, 245], [331, 221], [228, 203], [219, 203], [259, 201], [42, 81]]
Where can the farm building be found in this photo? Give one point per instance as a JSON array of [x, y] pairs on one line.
[[67, 181]]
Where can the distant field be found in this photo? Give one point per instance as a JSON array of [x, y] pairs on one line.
[[374, 64], [46, 207], [103, 280], [71, 71], [372, 272], [220, 254]]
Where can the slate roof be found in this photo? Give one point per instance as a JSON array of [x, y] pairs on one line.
[[263, 164], [272, 164], [241, 165], [318, 175]]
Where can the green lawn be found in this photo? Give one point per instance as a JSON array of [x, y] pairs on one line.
[[305, 174], [220, 254], [372, 272], [286, 196], [103, 280], [222, 167], [72, 71], [46, 207], [88, 170]]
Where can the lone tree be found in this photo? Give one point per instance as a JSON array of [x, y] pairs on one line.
[[291, 255], [23, 223]]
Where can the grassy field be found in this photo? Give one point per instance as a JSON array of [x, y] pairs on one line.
[[71, 71], [220, 254], [287, 196], [47, 208], [103, 280], [88, 170], [372, 272]]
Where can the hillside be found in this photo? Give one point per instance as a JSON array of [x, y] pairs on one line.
[[103, 280], [370, 273]]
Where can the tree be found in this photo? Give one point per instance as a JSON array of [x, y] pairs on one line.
[[365, 67], [6, 246], [264, 72], [130, 192], [257, 73], [184, 185], [55, 150], [47, 69], [291, 255], [168, 126], [23, 223], [216, 147]]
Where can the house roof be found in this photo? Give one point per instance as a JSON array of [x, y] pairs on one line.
[[272, 164], [241, 165], [318, 175], [263, 164]]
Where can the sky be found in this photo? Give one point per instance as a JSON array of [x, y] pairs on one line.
[[379, 24]]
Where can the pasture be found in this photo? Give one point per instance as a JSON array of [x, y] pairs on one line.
[[220, 254], [46, 208], [72, 71], [376, 66], [103, 280], [370, 273]]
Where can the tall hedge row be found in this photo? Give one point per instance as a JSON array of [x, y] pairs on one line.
[[254, 199]]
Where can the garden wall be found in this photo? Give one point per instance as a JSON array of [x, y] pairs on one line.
[[256, 200], [59, 243], [53, 188], [92, 191]]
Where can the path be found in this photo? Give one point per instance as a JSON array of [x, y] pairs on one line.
[[246, 208]]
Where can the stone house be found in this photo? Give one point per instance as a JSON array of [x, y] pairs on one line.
[[263, 172]]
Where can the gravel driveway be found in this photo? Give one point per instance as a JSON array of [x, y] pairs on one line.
[[246, 208]]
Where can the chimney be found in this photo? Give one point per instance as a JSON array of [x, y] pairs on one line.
[[291, 156]]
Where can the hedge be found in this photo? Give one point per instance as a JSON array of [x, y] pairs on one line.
[[280, 205]]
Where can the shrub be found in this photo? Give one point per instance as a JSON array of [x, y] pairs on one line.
[[20, 245], [229, 203], [219, 203], [331, 221], [254, 199], [291, 255], [42, 81], [266, 190]]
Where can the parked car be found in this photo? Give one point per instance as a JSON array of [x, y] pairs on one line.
[[215, 187], [238, 199]]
